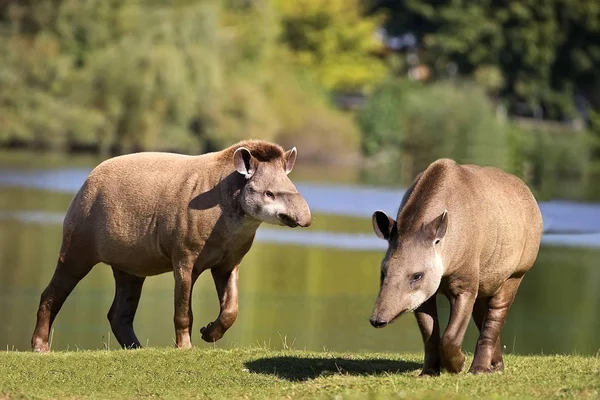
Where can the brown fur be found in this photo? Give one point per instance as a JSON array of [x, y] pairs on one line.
[[262, 151], [149, 213], [488, 239]]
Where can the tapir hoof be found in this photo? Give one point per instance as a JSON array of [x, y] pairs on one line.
[[499, 367], [429, 372], [40, 350], [212, 332], [454, 364], [39, 346], [480, 370], [477, 369]]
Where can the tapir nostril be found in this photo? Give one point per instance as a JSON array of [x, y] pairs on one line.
[[378, 323], [287, 220]]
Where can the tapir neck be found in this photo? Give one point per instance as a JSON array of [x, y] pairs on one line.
[[231, 189]]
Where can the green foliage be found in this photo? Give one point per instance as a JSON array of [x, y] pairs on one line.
[[555, 159], [422, 123], [379, 119], [145, 75], [266, 373], [197, 75], [335, 39], [595, 136], [406, 126], [456, 121], [31, 77], [151, 81], [553, 162], [537, 53]]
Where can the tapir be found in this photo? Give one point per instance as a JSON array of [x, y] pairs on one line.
[[467, 232], [149, 213]]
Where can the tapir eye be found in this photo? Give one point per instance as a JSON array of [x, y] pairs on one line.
[[270, 195], [416, 277], [436, 241]]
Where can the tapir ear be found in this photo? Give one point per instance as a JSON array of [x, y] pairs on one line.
[[290, 159], [244, 163], [439, 226], [382, 225]]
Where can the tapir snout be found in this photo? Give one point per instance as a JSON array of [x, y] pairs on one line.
[[377, 323], [297, 212], [387, 309]]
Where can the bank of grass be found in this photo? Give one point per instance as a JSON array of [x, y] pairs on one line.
[[262, 373]]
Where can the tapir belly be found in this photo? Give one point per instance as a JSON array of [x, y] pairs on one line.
[[130, 244], [137, 259], [507, 257]]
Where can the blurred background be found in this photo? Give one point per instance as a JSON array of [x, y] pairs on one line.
[[370, 92]]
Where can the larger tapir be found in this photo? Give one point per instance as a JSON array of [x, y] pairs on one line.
[[149, 213], [470, 233]]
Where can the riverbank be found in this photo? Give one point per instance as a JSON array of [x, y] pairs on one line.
[[263, 373]]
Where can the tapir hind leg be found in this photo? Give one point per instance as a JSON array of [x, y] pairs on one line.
[[67, 275], [480, 310], [128, 289], [488, 343]]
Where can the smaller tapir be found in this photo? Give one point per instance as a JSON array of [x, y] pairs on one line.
[[149, 213], [466, 231]]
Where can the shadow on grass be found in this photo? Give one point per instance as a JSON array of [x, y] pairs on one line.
[[302, 369]]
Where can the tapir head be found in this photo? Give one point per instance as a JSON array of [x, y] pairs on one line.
[[412, 268], [269, 195]]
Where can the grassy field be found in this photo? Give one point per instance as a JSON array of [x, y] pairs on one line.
[[261, 373]]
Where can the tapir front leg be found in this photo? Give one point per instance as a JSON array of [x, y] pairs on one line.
[[427, 318], [184, 281], [461, 306], [226, 283]]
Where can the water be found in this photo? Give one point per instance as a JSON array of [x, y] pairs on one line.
[[312, 288]]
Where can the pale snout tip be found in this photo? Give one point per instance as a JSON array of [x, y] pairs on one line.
[[306, 223], [303, 221]]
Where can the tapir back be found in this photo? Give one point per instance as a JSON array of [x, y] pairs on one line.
[[130, 206], [499, 222]]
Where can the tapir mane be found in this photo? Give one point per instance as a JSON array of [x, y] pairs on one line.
[[261, 150]]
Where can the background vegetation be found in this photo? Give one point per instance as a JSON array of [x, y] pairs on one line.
[[136, 75], [395, 83]]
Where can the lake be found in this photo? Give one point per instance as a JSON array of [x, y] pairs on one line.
[[303, 288]]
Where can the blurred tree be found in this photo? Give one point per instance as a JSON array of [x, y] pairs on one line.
[[577, 66], [106, 73], [33, 104], [538, 54], [134, 75], [335, 39], [150, 69], [416, 124]]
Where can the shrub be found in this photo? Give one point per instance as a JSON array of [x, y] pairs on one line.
[[411, 124]]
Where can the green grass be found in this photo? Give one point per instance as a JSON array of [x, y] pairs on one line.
[[262, 373]]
